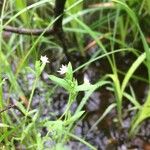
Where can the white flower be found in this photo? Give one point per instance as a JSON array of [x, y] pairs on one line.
[[86, 79], [44, 59], [63, 69]]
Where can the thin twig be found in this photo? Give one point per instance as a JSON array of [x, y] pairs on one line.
[[7, 108], [14, 107], [27, 31], [58, 11], [57, 27]]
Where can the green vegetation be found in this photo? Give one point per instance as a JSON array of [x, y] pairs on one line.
[[117, 29]]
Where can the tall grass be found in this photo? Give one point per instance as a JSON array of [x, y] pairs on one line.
[[20, 55]]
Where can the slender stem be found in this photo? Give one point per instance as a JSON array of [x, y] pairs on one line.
[[31, 95], [58, 11]]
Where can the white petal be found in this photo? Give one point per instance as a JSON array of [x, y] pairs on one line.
[[86, 79], [63, 69], [44, 59]]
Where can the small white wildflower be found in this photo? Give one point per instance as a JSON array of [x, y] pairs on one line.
[[63, 69], [44, 59], [86, 79], [4, 79]]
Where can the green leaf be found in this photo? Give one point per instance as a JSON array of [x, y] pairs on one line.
[[89, 93], [84, 87], [39, 141], [74, 118], [21, 4], [61, 82], [38, 68], [69, 73], [143, 114], [27, 130], [132, 69], [56, 126]]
